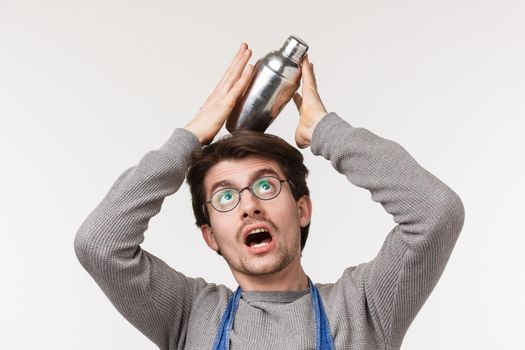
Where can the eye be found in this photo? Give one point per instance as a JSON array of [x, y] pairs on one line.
[[225, 196], [264, 186]]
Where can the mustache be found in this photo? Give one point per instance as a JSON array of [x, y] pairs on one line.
[[267, 222]]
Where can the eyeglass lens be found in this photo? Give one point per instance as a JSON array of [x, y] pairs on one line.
[[264, 188]]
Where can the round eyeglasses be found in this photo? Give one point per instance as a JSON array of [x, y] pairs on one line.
[[265, 188]]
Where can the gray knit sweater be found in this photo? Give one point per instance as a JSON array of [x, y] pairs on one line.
[[369, 307]]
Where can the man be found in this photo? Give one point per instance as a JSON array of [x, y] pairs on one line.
[[251, 203]]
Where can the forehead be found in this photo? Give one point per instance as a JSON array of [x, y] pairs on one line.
[[238, 171]]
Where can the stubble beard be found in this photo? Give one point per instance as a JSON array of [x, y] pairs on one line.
[[250, 266]]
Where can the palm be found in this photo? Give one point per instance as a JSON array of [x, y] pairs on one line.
[[309, 105]]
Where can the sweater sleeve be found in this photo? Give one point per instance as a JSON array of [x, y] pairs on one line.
[[155, 298], [429, 217]]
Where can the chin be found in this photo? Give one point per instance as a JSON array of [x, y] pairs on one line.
[[266, 268]]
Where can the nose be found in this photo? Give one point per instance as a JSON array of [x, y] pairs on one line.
[[249, 206]]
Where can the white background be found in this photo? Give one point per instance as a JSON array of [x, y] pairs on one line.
[[88, 87]]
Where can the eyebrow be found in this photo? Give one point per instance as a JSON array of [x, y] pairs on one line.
[[253, 177]]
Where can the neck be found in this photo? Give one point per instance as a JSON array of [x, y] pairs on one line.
[[291, 278]]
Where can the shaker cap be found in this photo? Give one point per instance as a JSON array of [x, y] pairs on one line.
[[294, 48]]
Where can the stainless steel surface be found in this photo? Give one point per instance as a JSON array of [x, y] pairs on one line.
[[275, 79]]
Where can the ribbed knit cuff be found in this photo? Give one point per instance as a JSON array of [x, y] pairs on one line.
[[327, 132], [182, 143]]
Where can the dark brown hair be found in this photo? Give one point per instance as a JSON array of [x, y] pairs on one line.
[[241, 145]]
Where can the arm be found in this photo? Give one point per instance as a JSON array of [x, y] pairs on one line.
[[429, 214], [147, 292], [151, 295]]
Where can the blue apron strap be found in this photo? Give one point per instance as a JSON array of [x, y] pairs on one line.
[[323, 336], [222, 339]]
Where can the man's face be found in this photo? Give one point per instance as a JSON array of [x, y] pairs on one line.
[[282, 217]]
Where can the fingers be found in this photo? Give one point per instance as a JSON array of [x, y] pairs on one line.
[[241, 84], [308, 73], [243, 47], [298, 100], [235, 68], [235, 59]]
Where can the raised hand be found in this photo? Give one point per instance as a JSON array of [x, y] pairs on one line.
[[218, 106], [310, 107]]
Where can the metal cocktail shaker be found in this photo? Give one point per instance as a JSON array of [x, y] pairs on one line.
[[275, 79]]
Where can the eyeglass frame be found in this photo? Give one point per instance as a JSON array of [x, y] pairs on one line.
[[209, 201]]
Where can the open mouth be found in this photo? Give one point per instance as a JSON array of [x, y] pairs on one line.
[[258, 238]]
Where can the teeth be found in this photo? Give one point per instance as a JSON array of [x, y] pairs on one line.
[[258, 230], [263, 244]]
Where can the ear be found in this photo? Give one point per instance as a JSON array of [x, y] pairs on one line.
[[209, 237], [304, 210]]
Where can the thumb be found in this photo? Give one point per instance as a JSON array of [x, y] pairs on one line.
[[298, 100]]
